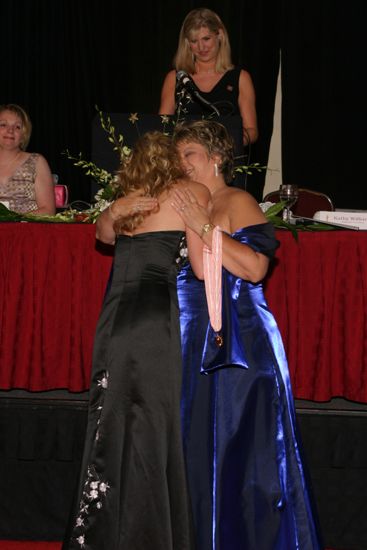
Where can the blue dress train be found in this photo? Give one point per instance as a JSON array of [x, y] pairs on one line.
[[244, 462]]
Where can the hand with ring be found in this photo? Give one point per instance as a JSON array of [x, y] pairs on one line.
[[193, 214]]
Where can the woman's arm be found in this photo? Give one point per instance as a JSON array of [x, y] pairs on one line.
[[187, 202], [247, 106], [195, 252], [121, 207], [242, 261], [44, 188], [242, 210], [167, 106], [195, 244], [104, 226]]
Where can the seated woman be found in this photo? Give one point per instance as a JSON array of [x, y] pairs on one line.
[[26, 184], [243, 454]]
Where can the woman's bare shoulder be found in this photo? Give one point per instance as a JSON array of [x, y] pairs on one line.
[[198, 189], [170, 77], [243, 207], [236, 194], [245, 78]]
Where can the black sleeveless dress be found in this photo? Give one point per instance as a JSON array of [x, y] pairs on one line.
[[224, 95], [133, 493]]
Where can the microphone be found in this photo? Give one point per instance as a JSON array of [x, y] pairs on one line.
[[189, 85]]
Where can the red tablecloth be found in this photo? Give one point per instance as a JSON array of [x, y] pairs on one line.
[[53, 278], [52, 282]]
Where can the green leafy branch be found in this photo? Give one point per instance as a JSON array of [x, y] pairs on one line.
[[101, 176], [250, 168], [116, 140]]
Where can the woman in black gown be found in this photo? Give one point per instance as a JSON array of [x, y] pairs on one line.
[[132, 493]]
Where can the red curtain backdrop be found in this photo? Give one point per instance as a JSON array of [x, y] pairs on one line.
[[53, 279]]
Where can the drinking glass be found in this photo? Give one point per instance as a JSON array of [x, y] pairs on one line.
[[288, 194]]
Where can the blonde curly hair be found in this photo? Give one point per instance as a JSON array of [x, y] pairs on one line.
[[152, 168]]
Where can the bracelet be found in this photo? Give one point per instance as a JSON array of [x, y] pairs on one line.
[[207, 227]]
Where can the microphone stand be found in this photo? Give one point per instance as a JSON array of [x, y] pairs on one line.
[[189, 88], [207, 103]]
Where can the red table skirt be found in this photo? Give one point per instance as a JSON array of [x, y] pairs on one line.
[[53, 278]]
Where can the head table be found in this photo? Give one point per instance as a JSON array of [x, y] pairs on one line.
[[53, 279]]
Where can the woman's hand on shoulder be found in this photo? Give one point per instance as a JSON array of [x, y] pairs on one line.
[[200, 191], [191, 201], [132, 204], [121, 207], [167, 105]]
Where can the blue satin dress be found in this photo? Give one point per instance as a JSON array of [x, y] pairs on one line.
[[245, 470]]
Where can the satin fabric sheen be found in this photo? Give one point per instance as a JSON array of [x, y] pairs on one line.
[[245, 470], [133, 491]]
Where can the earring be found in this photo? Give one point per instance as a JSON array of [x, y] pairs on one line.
[[216, 171]]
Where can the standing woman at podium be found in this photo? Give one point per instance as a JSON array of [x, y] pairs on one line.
[[203, 63]]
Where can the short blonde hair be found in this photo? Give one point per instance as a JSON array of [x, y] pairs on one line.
[[214, 137], [26, 122], [194, 21]]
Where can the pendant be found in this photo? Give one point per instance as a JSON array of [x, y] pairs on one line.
[[218, 340]]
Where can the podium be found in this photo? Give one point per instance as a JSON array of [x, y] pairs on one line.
[[105, 157]]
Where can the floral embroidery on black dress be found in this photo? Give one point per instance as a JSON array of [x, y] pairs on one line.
[[182, 258], [95, 489]]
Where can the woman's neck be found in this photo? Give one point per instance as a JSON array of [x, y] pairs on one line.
[[7, 158], [215, 186], [205, 68]]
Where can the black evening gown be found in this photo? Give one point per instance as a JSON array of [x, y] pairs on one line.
[[224, 95], [133, 493]]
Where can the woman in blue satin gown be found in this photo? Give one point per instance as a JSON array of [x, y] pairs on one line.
[[133, 492], [244, 462]]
